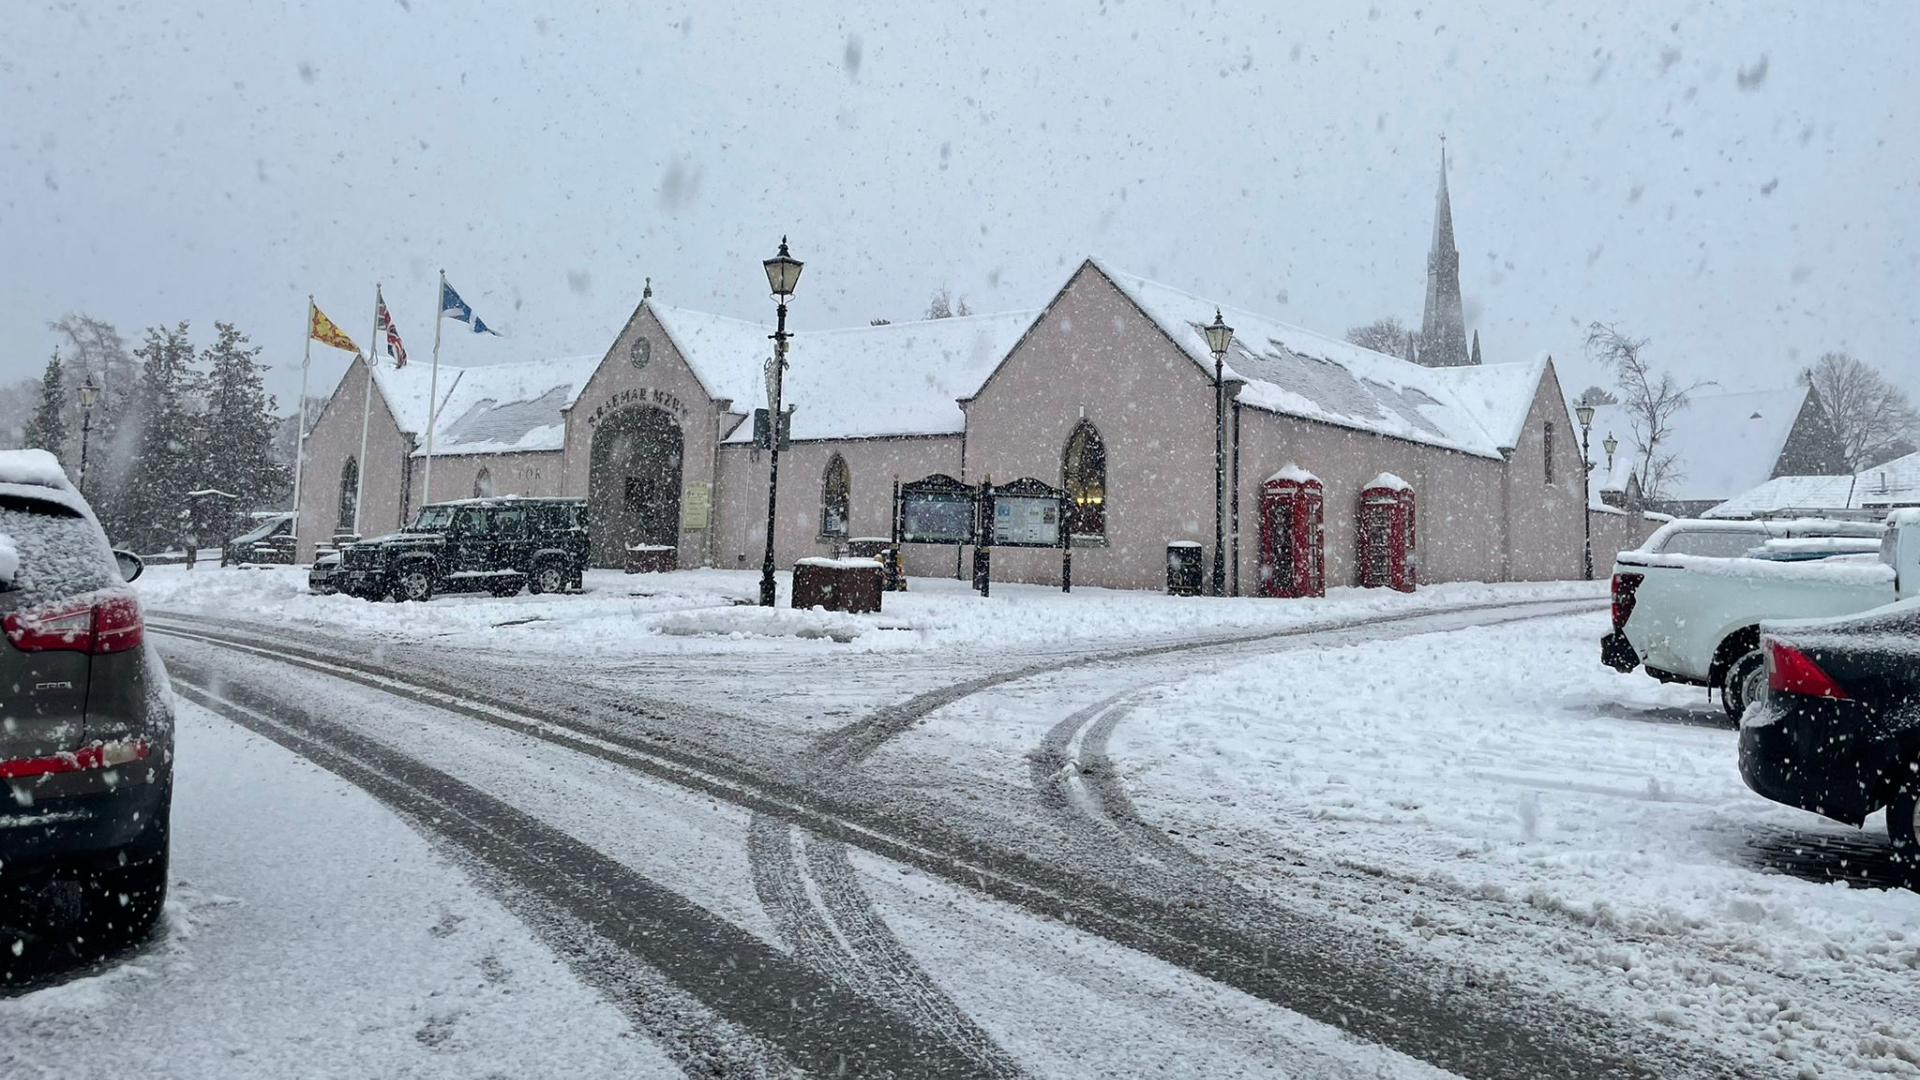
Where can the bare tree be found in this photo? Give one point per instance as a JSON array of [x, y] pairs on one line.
[[1596, 395], [1651, 399], [1384, 335], [944, 305], [1875, 419]]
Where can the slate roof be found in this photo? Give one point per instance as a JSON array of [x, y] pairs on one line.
[[497, 409], [1301, 373]]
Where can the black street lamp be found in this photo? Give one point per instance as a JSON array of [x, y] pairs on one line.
[[1219, 336], [89, 394], [783, 273], [1585, 415]]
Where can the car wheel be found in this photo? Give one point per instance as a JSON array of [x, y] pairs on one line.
[[1745, 683], [548, 578], [1903, 820], [124, 899], [414, 583]]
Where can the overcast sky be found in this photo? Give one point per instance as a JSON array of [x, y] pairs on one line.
[[1739, 182]]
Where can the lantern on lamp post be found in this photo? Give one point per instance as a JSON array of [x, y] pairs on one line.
[[783, 274], [89, 393], [1584, 413], [1219, 336]]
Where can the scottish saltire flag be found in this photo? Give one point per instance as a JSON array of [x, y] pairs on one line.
[[384, 319], [452, 307]]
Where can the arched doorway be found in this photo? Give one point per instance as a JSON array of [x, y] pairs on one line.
[[633, 483]]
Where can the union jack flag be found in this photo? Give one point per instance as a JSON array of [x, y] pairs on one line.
[[385, 320]]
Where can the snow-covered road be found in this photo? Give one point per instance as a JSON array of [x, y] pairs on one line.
[[1375, 835]]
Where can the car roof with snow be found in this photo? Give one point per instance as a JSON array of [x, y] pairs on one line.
[[38, 475]]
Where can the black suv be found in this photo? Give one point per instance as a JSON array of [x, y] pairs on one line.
[[474, 545]]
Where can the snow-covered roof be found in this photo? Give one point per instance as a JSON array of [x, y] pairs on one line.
[[497, 409], [1723, 444], [1300, 373], [1894, 483], [1501, 395], [859, 382]]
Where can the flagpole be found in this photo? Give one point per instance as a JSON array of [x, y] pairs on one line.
[[300, 441], [433, 389], [366, 413]]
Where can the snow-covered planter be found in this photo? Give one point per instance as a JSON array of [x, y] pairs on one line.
[[851, 585], [652, 558]]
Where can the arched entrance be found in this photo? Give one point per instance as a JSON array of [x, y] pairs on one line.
[[633, 482]]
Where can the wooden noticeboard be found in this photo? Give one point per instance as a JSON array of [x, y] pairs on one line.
[[1026, 521], [938, 510]]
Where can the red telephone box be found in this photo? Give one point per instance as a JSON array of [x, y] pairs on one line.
[[1387, 534], [1293, 558]]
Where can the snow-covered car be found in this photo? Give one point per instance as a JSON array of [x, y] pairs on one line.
[[1838, 731], [86, 749], [323, 576], [269, 541], [1688, 605]]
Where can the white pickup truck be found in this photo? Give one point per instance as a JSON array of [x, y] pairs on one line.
[[1688, 604]]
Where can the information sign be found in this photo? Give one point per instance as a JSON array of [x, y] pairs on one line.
[[1026, 520]]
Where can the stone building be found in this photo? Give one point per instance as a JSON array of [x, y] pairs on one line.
[[1107, 391], [1721, 445]]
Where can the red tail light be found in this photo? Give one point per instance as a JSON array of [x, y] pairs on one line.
[[1790, 671], [108, 621], [1624, 586]]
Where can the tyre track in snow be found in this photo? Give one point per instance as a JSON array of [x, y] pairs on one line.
[[816, 1024], [855, 742], [1456, 1019], [843, 937]]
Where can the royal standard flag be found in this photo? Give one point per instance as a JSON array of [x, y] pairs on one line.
[[322, 329]]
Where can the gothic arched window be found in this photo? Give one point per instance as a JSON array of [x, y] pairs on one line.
[[1084, 471], [483, 483], [349, 494], [836, 498]]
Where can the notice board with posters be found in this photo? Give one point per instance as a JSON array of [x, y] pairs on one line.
[[938, 510], [1026, 521], [1029, 513]]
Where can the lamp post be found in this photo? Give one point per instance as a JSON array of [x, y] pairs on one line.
[[1219, 336], [89, 394], [783, 273], [1585, 415]]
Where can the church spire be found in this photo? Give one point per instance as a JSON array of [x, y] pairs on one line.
[[1443, 331]]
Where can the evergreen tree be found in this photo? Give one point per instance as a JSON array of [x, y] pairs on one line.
[[152, 508], [236, 449], [47, 428]]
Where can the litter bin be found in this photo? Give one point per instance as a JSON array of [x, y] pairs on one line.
[[1183, 568]]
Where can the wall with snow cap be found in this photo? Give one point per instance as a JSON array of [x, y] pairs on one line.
[[1543, 519], [336, 437], [1458, 507], [740, 518]]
